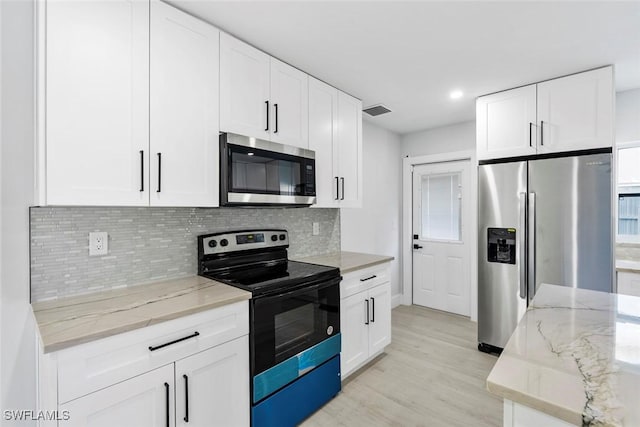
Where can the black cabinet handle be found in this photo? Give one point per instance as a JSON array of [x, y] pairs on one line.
[[267, 103], [373, 309], [366, 302], [530, 134], [186, 398], [159, 171], [166, 393], [276, 127], [342, 197], [337, 188], [152, 348], [415, 246], [368, 278], [541, 132], [141, 170]]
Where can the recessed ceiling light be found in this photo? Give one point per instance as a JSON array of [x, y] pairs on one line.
[[456, 94], [250, 153]]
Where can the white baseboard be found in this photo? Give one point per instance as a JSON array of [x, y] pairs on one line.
[[396, 300]]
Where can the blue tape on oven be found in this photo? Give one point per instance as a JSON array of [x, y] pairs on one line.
[[294, 367]]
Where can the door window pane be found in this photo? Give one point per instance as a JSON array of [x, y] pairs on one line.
[[441, 196], [629, 194]]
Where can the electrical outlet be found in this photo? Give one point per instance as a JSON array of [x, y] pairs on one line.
[[98, 243], [316, 228]]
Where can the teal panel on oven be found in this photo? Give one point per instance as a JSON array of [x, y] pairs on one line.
[[288, 370]]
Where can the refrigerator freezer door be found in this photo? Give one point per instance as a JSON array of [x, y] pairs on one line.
[[573, 226], [501, 212]]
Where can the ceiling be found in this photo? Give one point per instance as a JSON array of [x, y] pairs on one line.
[[411, 55]]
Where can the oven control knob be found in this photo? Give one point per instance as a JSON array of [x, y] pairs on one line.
[[274, 237], [224, 242], [213, 243], [282, 237]]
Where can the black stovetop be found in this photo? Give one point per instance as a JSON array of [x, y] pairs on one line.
[[274, 278]]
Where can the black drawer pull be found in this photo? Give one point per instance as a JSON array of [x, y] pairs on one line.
[[373, 309], [152, 348], [366, 303], [368, 278], [166, 394], [186, 398]]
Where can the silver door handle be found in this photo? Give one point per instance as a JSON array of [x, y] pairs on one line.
[[522, 262], [532, 247]]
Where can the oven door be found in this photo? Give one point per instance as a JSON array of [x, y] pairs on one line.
[[284, 325], [256, 172]]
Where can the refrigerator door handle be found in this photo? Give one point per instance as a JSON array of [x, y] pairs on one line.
[[522, 243], [531, 282]]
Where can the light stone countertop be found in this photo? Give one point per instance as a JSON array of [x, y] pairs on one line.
[[632, 266], [575, 355], [66, 322], [347, 261]]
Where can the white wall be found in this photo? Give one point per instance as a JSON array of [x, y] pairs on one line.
[[375, 228], [628, 116], [446, 139], [17, 332]]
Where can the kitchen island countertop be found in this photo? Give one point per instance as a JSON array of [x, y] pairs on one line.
[[575, 355], [70, 321], [347, 261]]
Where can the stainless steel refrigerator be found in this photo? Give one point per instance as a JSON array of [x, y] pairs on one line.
[[545, 220]]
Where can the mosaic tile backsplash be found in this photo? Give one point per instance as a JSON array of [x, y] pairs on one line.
[[151, 244]]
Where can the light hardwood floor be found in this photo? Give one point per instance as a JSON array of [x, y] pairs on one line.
[[431, 375]]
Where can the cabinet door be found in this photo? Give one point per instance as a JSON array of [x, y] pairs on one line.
[[323, 111], [142, 401], [576, 112], [97, 103], [628, 283], [348, 148], [184, 109], [212, 387], [380, 322], [505, 123], [355, 332], [244, 89], [290, 99]]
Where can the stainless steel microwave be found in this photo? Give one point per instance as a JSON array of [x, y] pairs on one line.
[[254, 172]]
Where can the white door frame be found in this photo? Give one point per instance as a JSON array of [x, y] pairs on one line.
[[407, 223]]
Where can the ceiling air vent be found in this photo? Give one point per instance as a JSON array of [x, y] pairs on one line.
[[376, 110]]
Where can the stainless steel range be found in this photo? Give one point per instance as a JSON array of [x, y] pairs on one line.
[[294, 321]]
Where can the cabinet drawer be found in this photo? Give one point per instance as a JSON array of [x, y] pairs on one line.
[[93, 366], [367, 278]]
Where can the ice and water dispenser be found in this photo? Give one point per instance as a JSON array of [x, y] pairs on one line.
[[501, 245]]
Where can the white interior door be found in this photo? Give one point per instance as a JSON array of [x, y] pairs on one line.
[[441, 231]]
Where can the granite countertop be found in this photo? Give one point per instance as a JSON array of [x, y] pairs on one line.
[[628, 265], [75, 320], [575, 355], [347, 261]]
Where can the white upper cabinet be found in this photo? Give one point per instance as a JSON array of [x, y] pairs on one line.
[[184, 126], [245, 88], [564, 114], [261, 96], [506, 123], [290, 100], [323, 127], [97, 103], [335, 134], [576, 112], [348, 149]]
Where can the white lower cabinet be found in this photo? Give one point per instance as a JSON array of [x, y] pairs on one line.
[[365, 317], [628, 283], [212, 387], [140, 401], [191, 371]]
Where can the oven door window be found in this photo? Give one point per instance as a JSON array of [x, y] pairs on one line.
[[265, 172], [289, 324]]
